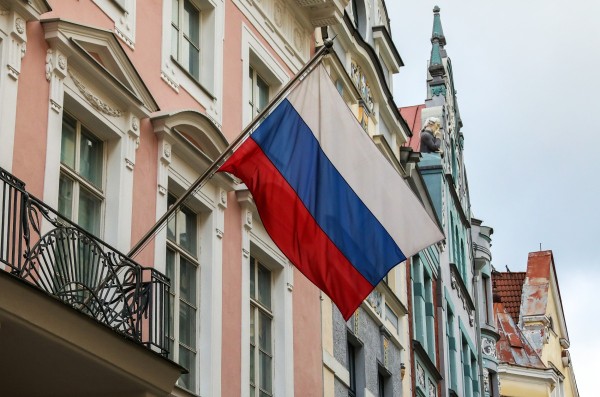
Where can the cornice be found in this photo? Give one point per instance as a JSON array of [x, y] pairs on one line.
[[370, 51], [458, 204], [424, 357], [457, 278]]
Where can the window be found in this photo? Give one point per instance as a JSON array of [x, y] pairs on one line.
[[80, 191], [352, 370], [485, 301], [182, 268], [185, 36], [261, 343], [380, 384], [259, 93], [391, 317]]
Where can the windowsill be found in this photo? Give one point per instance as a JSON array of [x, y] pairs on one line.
[[179, 391], [192, 78]]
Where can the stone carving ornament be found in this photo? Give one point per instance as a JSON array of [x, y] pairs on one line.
[[20, 25], [420, 376], [488, 347], [93, 100]]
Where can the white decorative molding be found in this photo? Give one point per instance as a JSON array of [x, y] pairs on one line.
[[48, 64], [488, 347], [420, 376], [93, 100], [164, 160], [20, 25], [170, 81], [287, 26]]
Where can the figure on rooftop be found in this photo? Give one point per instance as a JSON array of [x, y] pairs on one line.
[[431, 136]]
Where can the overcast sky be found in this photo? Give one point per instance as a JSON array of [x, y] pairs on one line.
[[526, 73]]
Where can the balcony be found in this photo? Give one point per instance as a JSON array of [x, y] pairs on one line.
[[77, 317]]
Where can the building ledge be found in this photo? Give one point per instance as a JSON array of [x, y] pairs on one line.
[[68, 353]]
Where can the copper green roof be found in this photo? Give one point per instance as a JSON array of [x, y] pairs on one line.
[[438, 32]]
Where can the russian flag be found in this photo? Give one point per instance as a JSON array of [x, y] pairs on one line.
[[327, 197]]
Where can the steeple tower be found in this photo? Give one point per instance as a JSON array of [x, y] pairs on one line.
[[436, 66]]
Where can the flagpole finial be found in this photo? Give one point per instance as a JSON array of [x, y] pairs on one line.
[[328, 43]]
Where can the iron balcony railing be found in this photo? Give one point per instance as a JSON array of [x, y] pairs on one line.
[[45, 249]]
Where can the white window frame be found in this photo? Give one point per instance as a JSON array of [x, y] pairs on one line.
[[13, 40], [255, 55], [123, 14], [254, 92], [256, 242], [79, 182], [268, 311], [207, 89], [180, 252], [209, 204]]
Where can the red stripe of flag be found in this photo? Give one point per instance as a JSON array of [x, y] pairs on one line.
[[295, 231]]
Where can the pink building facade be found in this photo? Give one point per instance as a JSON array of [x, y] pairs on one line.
[[109, 110]]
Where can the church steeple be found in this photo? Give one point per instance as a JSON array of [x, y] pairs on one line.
[[436, 66]]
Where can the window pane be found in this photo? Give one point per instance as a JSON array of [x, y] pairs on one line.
[[174, 42], [191, 23], [252, 324], [264, 332], [88, 216], [188, 360], [186, 228], [264, 286], [187, 281], [65, 197], [263, 93], [90, 158], [67, 145], [265, 372], [193, 56], [252, 278], [252, 366], [252, 391], [175, 12], [187, 325], [172, 219], [171, 268]]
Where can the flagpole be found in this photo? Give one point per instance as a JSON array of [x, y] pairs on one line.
[[212, 169]]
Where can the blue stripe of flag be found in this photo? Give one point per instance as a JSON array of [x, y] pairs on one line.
[[289, 143]]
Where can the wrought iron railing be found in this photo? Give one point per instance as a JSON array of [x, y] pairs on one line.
[[50, 252]]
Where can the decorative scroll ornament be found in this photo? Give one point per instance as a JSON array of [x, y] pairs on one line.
[[93, 100], [420, 376], [48, 64], [375, 299], [360, 82], [432, 389], [486, 381], [20, 25], [488, 347]]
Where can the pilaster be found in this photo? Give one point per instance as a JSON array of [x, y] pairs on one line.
[[13, 44]]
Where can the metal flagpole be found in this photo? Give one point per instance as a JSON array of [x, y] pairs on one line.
[[212, 169]]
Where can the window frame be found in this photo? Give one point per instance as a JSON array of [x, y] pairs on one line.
[[182, 37], [180, 252], [78, 181], [254, 97], [256, 309]]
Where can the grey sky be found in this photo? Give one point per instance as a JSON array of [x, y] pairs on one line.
[[528, 89]]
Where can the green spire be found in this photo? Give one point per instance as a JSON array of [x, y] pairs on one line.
[[438, 32], [436, 57]]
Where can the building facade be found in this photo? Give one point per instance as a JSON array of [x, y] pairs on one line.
[[368, 355], [533, 354], [110, 109], [450, 283]]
